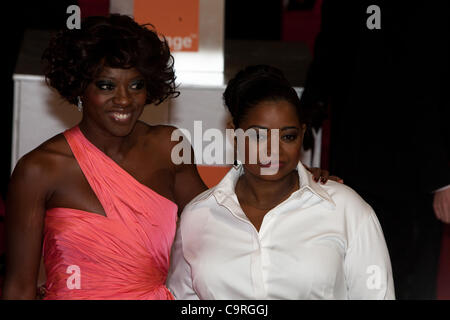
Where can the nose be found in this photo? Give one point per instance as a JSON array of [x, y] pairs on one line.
[[273, 145], [122, 97]]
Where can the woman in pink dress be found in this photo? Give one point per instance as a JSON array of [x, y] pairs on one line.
[[100, 201]]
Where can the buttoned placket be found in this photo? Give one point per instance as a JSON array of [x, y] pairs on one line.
[[235, 209], [260, 260]]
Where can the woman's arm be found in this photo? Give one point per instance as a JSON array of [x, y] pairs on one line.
[[188, 183], [367, 264], [322, 175], [24, 223]]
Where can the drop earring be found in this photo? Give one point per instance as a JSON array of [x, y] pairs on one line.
[[80, 104]]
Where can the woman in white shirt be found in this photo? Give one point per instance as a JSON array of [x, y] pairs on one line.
[[278, 236]]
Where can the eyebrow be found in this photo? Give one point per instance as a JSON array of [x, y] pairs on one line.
[[282, 129], [110, 77], [291, 127], [106, 74]]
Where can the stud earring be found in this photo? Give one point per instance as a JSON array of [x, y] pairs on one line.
[[80, 104]]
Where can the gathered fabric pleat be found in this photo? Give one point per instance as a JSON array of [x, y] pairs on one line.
[[123, 255]]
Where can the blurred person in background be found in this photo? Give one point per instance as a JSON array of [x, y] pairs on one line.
[[386, 90]]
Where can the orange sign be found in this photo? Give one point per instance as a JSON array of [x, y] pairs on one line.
[[177, 20]]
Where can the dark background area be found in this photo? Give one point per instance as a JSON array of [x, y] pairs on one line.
[[17, 16], [253, 20]]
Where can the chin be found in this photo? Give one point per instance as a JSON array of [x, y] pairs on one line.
[[120, 130], [278, 175]]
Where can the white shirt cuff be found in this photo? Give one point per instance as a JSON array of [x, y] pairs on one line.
[[442, 189]]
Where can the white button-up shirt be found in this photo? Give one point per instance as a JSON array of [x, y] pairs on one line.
[[323, 242]]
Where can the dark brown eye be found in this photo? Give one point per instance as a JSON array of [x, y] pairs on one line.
[[289, 137], [138, 85], [105, 85]]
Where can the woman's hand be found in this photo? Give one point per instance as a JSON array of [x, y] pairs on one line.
[[441, 205], [323, 175]]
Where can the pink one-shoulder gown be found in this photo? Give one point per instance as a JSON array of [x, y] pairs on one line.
[[124, 255]]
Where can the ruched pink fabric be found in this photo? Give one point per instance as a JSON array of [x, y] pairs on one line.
[[124, 255]]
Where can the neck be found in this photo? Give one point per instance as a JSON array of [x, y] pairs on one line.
[[107, 143], [264, 193]]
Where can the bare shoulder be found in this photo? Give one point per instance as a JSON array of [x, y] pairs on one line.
[[44, 162], [158, 131], [158, 137]]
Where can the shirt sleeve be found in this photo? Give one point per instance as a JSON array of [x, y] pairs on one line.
[[179, 279], [442, 189], [367, 263]]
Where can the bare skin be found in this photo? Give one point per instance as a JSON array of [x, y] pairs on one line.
[[441, 205], [257, 193], [49, 176]]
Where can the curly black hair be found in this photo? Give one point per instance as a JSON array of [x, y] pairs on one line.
[[256, 84], [74, 58]]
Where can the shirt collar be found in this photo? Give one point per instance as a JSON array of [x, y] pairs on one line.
[[227, 185], [307, 182]]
